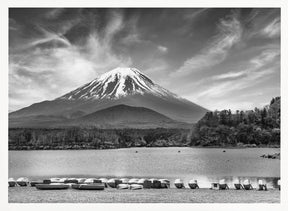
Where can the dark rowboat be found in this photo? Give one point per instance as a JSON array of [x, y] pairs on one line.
[[165, 183], [247, 185], [11, 182], [262, 185], [223, 187], [22, 181], [156, 184], [179, 183], [147, 184], [238, 186], [52, 186]]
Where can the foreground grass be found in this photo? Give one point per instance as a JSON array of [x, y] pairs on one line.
[[173, 195]]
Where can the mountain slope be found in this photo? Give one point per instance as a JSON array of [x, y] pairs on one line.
[[120, 86], [117, 83], [123, 116], [124, 113]]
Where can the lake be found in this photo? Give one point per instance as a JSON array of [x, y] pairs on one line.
[[204, 164]]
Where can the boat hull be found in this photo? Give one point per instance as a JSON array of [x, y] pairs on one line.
[[179, 185], [51, 186], [22, 183], [12, 183], [193, 185], [136, 187], [123, 186], [95, 186]]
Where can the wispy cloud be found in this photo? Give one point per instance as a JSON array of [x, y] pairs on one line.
[[48, 72], [229, 75], [263, 23], [113, 26], [223, 88], [191, 16], [54, 13], [256, 70], [49, 36], [162, 49], [264, 58], [272, 30], [229, 34]]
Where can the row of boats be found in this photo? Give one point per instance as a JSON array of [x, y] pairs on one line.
[[125, 183]]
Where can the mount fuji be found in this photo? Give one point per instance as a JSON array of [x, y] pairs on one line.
[[120, 86]]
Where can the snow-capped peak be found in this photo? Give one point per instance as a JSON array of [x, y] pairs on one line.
[[117, 83]]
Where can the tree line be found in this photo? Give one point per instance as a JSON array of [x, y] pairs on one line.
[[94, 138], [253, 127]]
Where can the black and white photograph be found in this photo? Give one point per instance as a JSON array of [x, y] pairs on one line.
[[144, 105]]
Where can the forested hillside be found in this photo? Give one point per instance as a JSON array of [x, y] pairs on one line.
[[256, 127]]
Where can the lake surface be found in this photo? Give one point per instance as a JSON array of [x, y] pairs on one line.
[[203, 164]]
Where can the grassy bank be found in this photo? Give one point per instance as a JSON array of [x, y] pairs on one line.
[[173, 195]]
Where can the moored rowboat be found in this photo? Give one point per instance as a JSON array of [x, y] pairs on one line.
[[165, 183], [22, 181], [52, 186], [136, 187], [179, 183], [193, 184], [156, 184], [123, 186], [11, 182]]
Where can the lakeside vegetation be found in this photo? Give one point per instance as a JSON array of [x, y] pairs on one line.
[[93, 138], [254, 127], [258, 127]]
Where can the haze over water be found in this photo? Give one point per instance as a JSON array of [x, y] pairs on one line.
[[204, 164]]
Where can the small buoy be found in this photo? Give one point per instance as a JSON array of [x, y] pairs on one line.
[[179, 151], [136, 152], [224, 150]]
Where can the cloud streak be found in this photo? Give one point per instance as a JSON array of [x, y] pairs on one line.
[[257, 69], [272, 30], [229, 34]]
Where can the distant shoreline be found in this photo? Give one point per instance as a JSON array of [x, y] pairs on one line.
[[214, 147]]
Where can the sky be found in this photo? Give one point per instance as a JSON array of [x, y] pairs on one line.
[[218, 58]]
